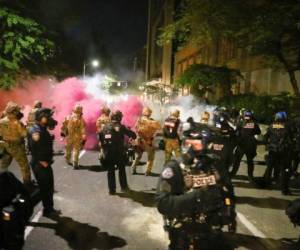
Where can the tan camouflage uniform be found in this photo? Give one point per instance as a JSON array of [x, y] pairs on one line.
[[103, 119], [146, 129], [74, 126], [13, 133], [172, 144], [31, 116]]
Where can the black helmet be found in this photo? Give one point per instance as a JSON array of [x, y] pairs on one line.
[[116, 116], [48, 113]]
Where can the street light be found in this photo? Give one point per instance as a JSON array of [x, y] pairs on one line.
[[94, 63]]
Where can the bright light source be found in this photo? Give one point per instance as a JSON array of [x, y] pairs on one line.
[[95, 63]]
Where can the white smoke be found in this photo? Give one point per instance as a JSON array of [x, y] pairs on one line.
[[188, 106]]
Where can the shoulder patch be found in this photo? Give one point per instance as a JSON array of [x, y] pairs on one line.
[[36, 136], [167, 173]]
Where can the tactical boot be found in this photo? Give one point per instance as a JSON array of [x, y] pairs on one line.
[[75, 165], [133, 170]]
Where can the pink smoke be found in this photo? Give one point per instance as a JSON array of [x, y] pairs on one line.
[[64, 96]]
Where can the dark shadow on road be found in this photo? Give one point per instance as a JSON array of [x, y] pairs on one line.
[[81, 236], [251, 185], [270, 202], [93, 168], [144, 198], [256, 243]]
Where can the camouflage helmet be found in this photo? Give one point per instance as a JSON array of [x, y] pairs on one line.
[[147, 111], [105, 110], [37, 104], [12, 108], [175, 113], [205, 116], [77, 109]]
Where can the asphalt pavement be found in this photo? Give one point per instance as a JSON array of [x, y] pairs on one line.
[[92, 219]]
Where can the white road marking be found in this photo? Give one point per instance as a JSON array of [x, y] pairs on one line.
[[39, 214], [256, 232], [35, 219]]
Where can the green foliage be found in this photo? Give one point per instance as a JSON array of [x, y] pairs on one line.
[[204, 77], [23, 44], [267, 28], [264, 106]]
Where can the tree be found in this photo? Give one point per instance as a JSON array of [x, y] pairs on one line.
[[269, 28], [23, 44], [202, 78]]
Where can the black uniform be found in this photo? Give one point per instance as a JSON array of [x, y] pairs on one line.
[[16, 209], [246, 145], [112, 141], [41, 147], [278, 139], [223, 144], [295, 157], [191, 217]]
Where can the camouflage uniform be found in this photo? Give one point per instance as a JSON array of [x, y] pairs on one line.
[[74, 129], [31, 116], [146, 128], [13, 132], [171, 136], [100, 124]]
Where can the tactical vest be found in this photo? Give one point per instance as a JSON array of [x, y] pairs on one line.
[[171, 128]]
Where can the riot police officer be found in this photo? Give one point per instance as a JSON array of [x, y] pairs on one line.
[[41, 148], [16, 209], [111, 138], [278, 139], [195, 197], [246, 143], [224, 142], [171, 136]]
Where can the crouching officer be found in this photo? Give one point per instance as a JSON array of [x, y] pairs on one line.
[[111, 138], [171, 136], [16, 209], [195, 198], [41, 148]]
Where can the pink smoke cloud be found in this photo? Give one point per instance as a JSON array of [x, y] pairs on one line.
[[64, 96]]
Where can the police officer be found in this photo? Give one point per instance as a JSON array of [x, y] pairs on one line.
[[31, 116], [41, 148], [16, 209], [171, 136], [74, 130], [295, 158], [246, 143], [193, 207], [205, 117], [112, 142], [102, 120], [223, 142], [146, 128], [13, 133], [278, 139]]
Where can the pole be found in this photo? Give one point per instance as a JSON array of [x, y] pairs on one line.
[[149, 39], [84, 69]]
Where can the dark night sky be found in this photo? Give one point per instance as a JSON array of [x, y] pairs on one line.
[[112, 29]]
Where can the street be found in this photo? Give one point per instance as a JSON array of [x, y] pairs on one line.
[[91, 219]]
